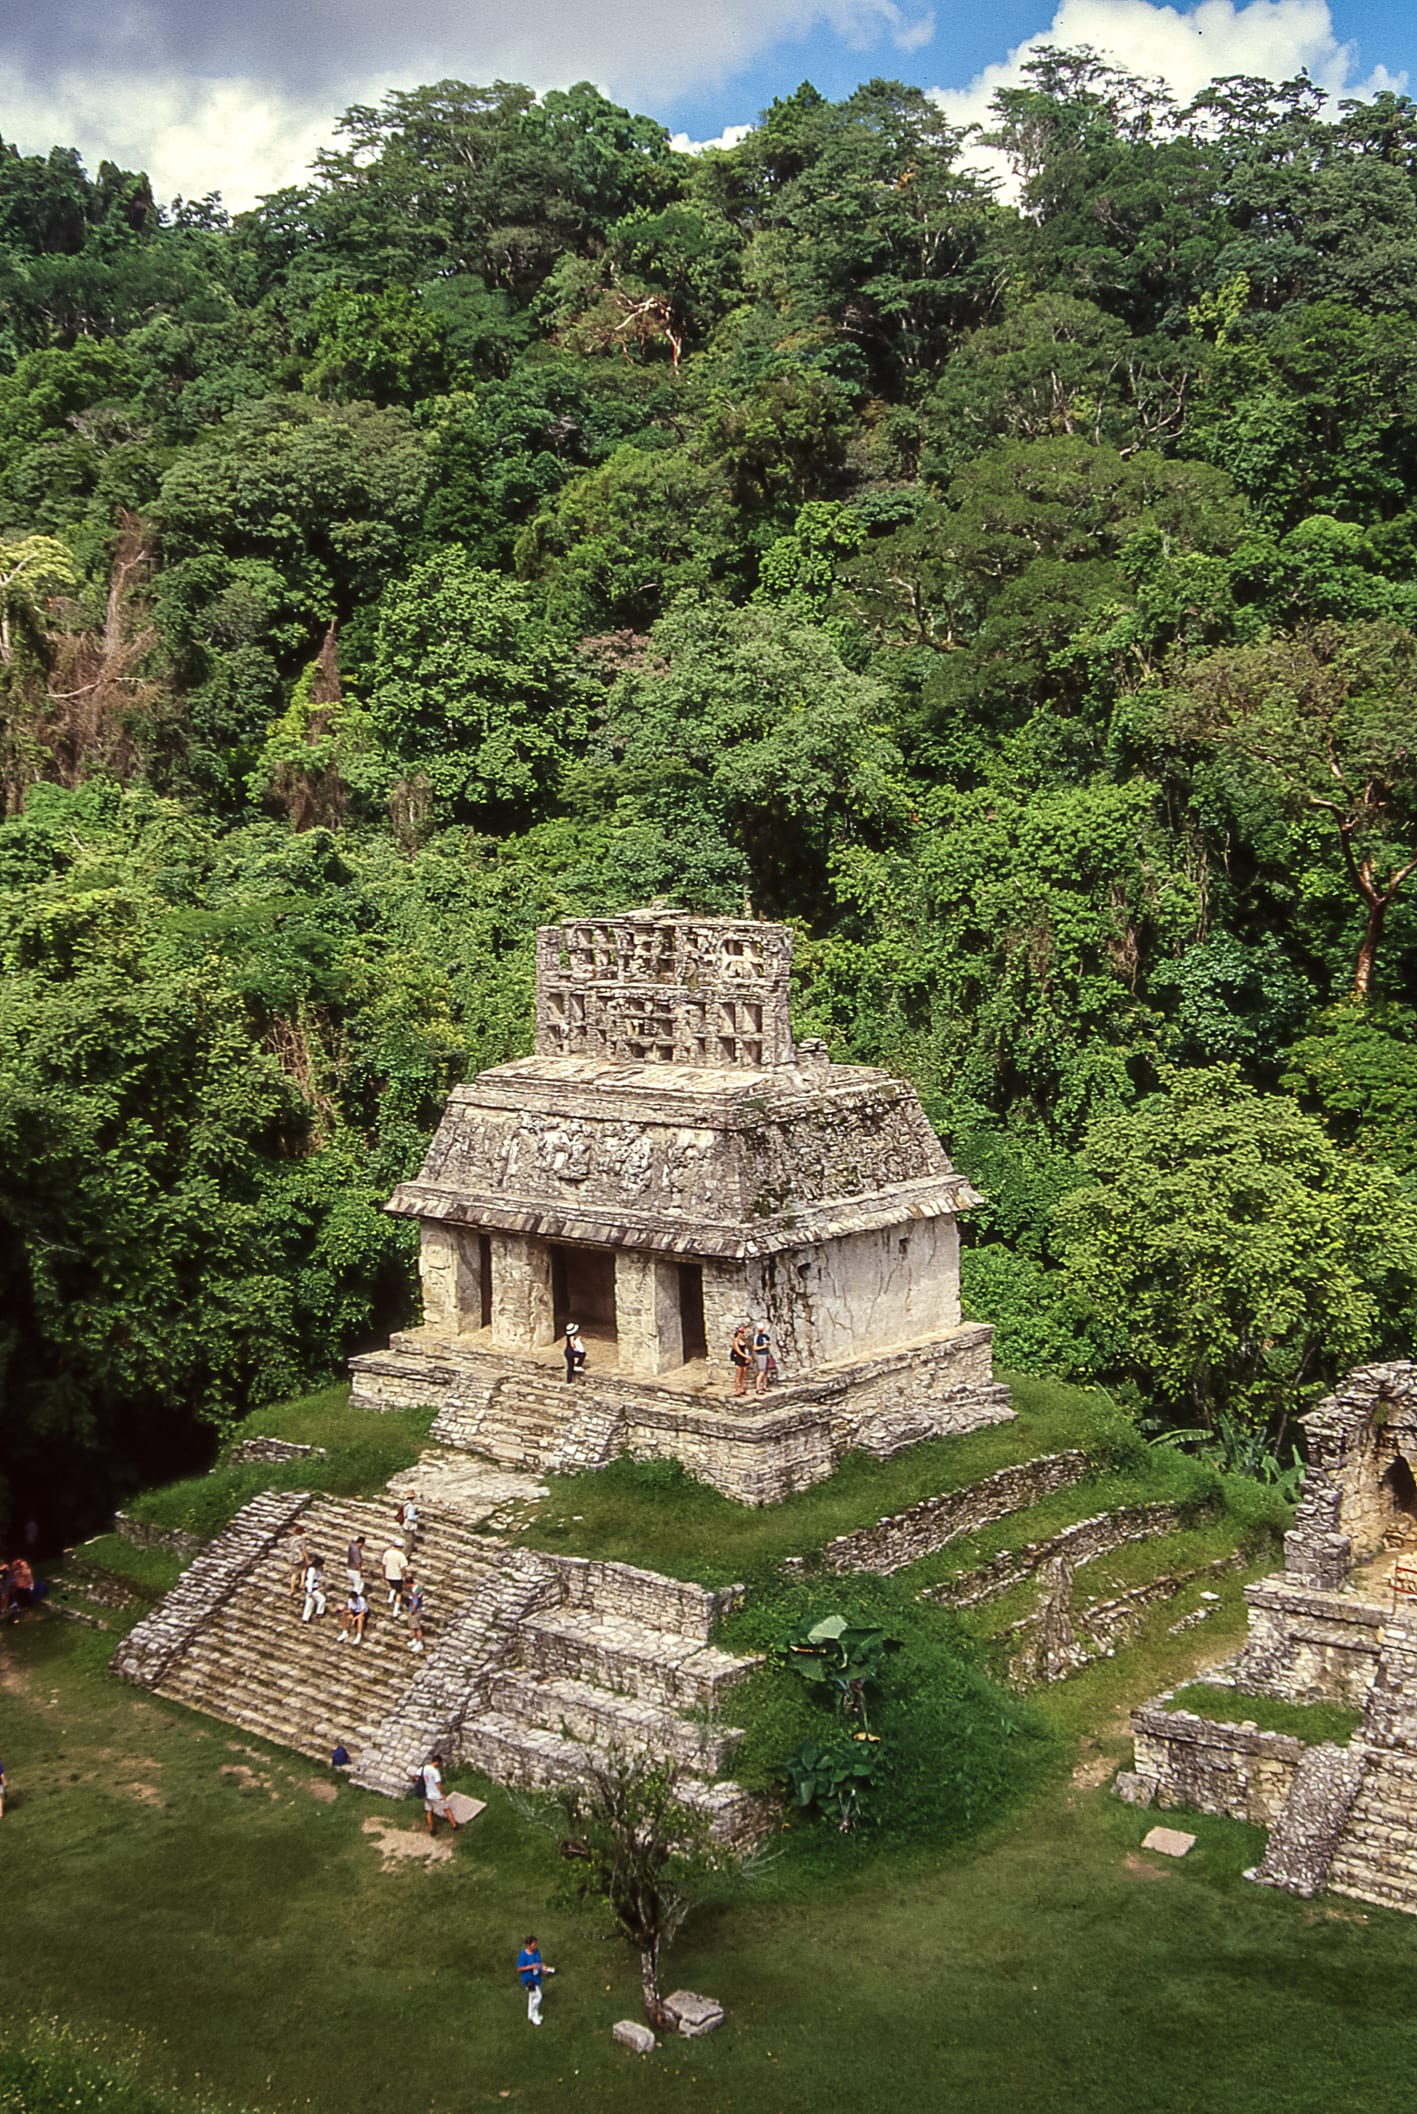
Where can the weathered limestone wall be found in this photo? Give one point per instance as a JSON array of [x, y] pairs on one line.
[[649, 1338], [523, 1313], [265, 1449], [143, 1535], [1360, 1438], [1215, 1767], [1080, 1544], [450, 1272], [907, 1536], [862, 1293], [1309, 1645]]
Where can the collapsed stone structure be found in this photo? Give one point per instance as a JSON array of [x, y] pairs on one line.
[[1329, 1628], [668, 1164]]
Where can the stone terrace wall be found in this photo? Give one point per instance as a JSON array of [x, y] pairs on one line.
[[264, 1449], [144, 1535], [1309, 1645], [643, 1596], [149, 1649], [905, 1537], [1213, 1767], [1080, 1544]]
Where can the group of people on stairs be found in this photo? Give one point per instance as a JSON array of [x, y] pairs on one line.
[[402, 1585]]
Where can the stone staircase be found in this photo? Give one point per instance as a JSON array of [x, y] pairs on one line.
[[531, 1420], [253, 1662], [620, 1661], [533, 1665], [1376, 1856]]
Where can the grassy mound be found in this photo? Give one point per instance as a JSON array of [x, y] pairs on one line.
[[1313, 1722]]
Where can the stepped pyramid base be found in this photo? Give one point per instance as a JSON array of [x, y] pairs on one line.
[[520, 1412], [533, 1664]]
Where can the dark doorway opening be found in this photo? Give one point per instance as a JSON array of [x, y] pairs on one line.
[[583, 1289], [691, 1312], [484, 1279], [1400, 1490]]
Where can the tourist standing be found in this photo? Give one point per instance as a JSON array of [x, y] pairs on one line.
[[575, 1350], [435, 1799], [393, 1577], [762, 1356], [741, 1357], [299, 1559], [413, 1599], [354, 1557], [530, 1969], [408, 1520]]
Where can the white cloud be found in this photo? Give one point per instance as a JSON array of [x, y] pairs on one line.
[[236, 99], [1273, 39], [239, 137], [731, 136]]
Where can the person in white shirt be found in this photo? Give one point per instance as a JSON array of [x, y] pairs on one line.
[[314, 1589], [393, 1577], [435, 1800]]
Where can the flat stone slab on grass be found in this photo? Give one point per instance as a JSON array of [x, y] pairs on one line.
[[692, 2015], [1169, 1841], [632, 2035], [463, 1808]]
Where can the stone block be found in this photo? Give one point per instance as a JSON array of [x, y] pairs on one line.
[[1168, 1842], [632, 2035], [463, 1808], [1134, 1789], [692, 2015]]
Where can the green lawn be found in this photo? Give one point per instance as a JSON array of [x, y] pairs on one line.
[[184, 1901]]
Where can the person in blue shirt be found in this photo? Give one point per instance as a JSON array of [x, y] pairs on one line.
[[530, 1970]]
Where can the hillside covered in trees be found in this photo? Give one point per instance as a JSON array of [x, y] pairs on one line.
[[522, 518]]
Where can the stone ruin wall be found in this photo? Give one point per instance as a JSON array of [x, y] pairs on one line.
[[1306, 1645], [1356, 1437], [860, 1293], [906, 1537], [1213, 1766]]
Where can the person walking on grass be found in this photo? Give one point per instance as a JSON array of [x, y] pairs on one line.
[[354, 1557], [393, 1577], [435, 1798], [314, 1582], [762, 1357], [740, 1357], [530, 1969], [413, 1601]]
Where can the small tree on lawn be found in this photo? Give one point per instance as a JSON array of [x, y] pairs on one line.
[[638, 1850]]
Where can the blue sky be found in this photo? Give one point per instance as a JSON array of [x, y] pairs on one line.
[[237, 97]]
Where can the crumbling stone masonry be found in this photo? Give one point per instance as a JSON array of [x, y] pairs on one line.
[[1347, 1820], [668, 1164]]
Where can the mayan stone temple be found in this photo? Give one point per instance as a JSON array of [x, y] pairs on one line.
[[667, 1165]]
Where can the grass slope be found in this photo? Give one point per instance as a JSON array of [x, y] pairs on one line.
[[211, 1915]]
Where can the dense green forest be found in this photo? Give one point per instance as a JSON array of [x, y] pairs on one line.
[[521, 518]]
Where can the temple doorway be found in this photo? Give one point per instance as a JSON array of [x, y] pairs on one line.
[[1400, 1498], [583, 1289], [484, 1280], [692, 1329]]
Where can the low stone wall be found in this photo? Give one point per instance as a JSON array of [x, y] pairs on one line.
[[645, 1597], [1080, 1544], [149, 1649], [263, 1449], [1214, 1766], [905, 1537], [142, 1534], [1308, 1644]]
